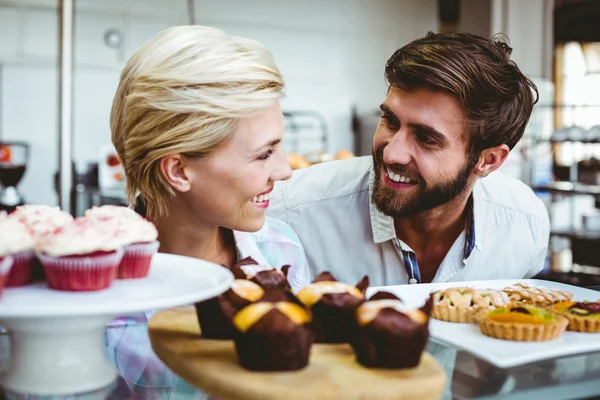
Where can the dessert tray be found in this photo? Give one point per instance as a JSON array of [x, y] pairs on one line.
[[56, 336], [502, 353], [332, 373]]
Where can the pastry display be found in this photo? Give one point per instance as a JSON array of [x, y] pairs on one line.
[[522, 323], [136, 234], [333, 305], [81, 256], [263, 275], [463, 304], [389, 334], [273, 335], [19, 244], [582, 316], [215, 315], [522, 293]]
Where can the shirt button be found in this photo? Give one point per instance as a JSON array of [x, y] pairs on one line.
[[412, 281]]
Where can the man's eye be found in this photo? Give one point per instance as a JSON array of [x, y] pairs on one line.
[[389, 120], [266, 155], [425, 139]]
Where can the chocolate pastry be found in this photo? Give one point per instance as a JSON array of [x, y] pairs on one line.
[[263, 275], [332, 305], [273, 336], [389, 334], [214, 315]]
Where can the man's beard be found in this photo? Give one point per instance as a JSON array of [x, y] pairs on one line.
[[422, 198]]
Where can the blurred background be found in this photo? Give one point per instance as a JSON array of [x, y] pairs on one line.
[[332, 55]]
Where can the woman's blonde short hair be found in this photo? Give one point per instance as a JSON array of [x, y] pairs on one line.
[[183, 92]]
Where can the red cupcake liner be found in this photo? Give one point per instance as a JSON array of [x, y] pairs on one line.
[[6, 263], [136, 260], [21, 271], [95, 271]]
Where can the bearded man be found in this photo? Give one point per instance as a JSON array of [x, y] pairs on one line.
[[428, 206]]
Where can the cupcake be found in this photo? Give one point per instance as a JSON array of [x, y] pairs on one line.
[[523, 323], [42, 220], [582, 316], [273, 335], [389, 334], [263, 275], [332, 305], [6, 263], [215, 315], [136, 234], [18, 242], [522, 293], [463, 304], [81, 256]]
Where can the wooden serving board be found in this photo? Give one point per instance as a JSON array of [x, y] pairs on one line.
[[332, 373]]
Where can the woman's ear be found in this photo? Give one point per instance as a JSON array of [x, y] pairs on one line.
[[491, 159], [173, 169]]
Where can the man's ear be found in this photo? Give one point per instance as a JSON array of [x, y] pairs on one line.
[[173, 169], [491, 159]]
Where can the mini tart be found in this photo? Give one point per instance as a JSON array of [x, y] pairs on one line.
[[582, 316], [522, 293], [522, 323], [463, 304]]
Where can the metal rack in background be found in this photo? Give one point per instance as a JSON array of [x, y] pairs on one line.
[[572, 180], [305, 132]]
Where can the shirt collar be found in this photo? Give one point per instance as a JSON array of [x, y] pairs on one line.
[[383, 230]]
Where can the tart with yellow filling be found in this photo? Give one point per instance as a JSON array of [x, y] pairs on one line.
[[463, 304], [582, 316], [522, 323]]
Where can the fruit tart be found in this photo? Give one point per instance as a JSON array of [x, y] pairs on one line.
[[583, 316], [463, 304], [522, 293], [523, 323]]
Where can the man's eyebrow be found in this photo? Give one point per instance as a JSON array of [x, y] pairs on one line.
[[268, 144]]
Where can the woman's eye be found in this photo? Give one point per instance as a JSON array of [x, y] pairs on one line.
[[266, 155]]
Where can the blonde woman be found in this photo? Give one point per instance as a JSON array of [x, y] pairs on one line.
[[197, 124]]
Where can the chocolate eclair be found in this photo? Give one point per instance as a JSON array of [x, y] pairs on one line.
[[332, 305], [389, 334], [273, 336], [263, 275], [214, 315]]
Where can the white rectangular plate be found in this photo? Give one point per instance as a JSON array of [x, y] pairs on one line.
[[502, 353]]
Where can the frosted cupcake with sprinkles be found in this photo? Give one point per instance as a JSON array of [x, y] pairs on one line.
[[136, 234], [82, 256], [18, 242]]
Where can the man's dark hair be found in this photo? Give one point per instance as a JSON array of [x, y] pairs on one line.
[[496, 97]]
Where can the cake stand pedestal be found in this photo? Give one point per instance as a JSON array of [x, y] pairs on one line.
[[56, 336]]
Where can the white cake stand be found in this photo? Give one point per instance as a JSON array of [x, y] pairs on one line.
[[56, 336]]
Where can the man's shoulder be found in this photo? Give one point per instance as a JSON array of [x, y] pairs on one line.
[[504, 192], [326, 181]]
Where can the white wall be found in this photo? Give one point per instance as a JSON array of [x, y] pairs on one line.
[[331, 53]]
